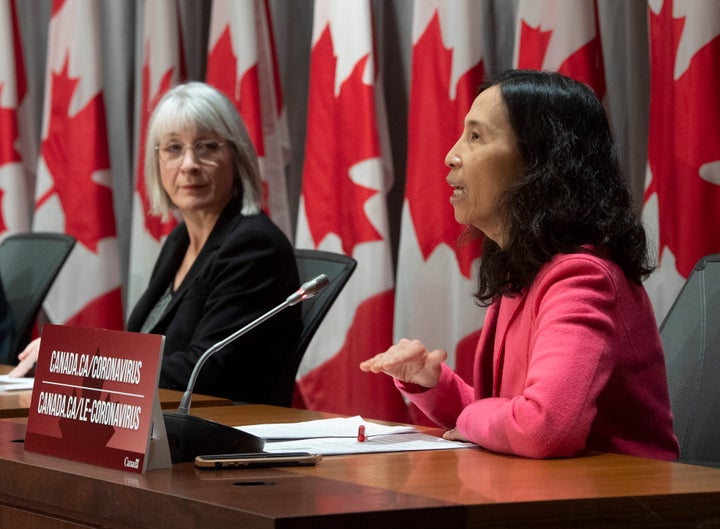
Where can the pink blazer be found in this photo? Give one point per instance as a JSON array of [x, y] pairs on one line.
[[575, 363]]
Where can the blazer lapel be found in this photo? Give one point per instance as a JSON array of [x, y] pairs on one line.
[[507, 310], [226, 223], [484, 355]]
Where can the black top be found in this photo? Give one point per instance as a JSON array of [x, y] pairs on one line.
[[246, 268]]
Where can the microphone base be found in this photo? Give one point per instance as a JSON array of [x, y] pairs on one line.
[[190, 436]]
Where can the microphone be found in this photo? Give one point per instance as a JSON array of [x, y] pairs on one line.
[[190, 436], [308, 290]]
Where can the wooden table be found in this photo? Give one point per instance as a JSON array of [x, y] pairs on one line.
[[433, 489], [16, 403]]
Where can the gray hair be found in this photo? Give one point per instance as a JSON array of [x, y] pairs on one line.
[[200, 106]]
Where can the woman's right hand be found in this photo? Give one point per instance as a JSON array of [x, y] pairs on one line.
[[409, 361], [28, 357]]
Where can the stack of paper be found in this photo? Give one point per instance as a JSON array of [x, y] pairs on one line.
[[340, 436]]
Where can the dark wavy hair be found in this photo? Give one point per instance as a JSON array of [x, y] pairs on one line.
[[572, 192]]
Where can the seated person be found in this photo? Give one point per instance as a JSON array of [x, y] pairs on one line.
[[570, 357], [225, 264]]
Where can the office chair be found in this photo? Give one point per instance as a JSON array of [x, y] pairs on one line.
[[29, 264], [310, 263], [691, 338]]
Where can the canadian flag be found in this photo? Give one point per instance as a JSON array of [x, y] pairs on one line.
[[343, 209], [682, 191], [18, 150], [561, 35], [242, 63], [435, 274], [163, 67], [73, 192]]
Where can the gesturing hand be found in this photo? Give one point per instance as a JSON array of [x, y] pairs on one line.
[[27, 358], [409, 361]]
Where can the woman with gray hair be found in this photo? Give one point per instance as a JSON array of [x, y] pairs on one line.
[[224, 265]]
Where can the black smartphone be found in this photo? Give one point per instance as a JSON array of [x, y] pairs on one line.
[[256, 460]]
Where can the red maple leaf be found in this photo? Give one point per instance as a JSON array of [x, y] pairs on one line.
[[342, 133], [104, 311], [8, 153], [9, 129], [153, 223], [89, 433], [75, 148], [8, 133], [387, 403], [244, 93], [434, 124], [250, 108], [683, 137], [533, 46], [584, 64]]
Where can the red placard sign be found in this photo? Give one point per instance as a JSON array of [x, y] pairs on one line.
[[95, 399]]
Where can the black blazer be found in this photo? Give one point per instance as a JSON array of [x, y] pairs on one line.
[[246, 267]]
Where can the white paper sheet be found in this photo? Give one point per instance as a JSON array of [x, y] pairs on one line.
[[15, 383]]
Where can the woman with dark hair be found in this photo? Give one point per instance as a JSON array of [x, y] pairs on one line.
[[570, 357]]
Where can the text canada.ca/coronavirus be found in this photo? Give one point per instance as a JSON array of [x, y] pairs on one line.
[[97, 367]]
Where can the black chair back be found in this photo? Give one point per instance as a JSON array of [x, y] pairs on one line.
[[691, 338], [29, 264], [310, 263]]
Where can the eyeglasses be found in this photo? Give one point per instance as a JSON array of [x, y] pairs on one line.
[[205, 151]]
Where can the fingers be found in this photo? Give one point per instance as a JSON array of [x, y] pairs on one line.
[[454, 435], [436, 357], [22, 369], [398, 354], [27, 359], [31, 351]]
